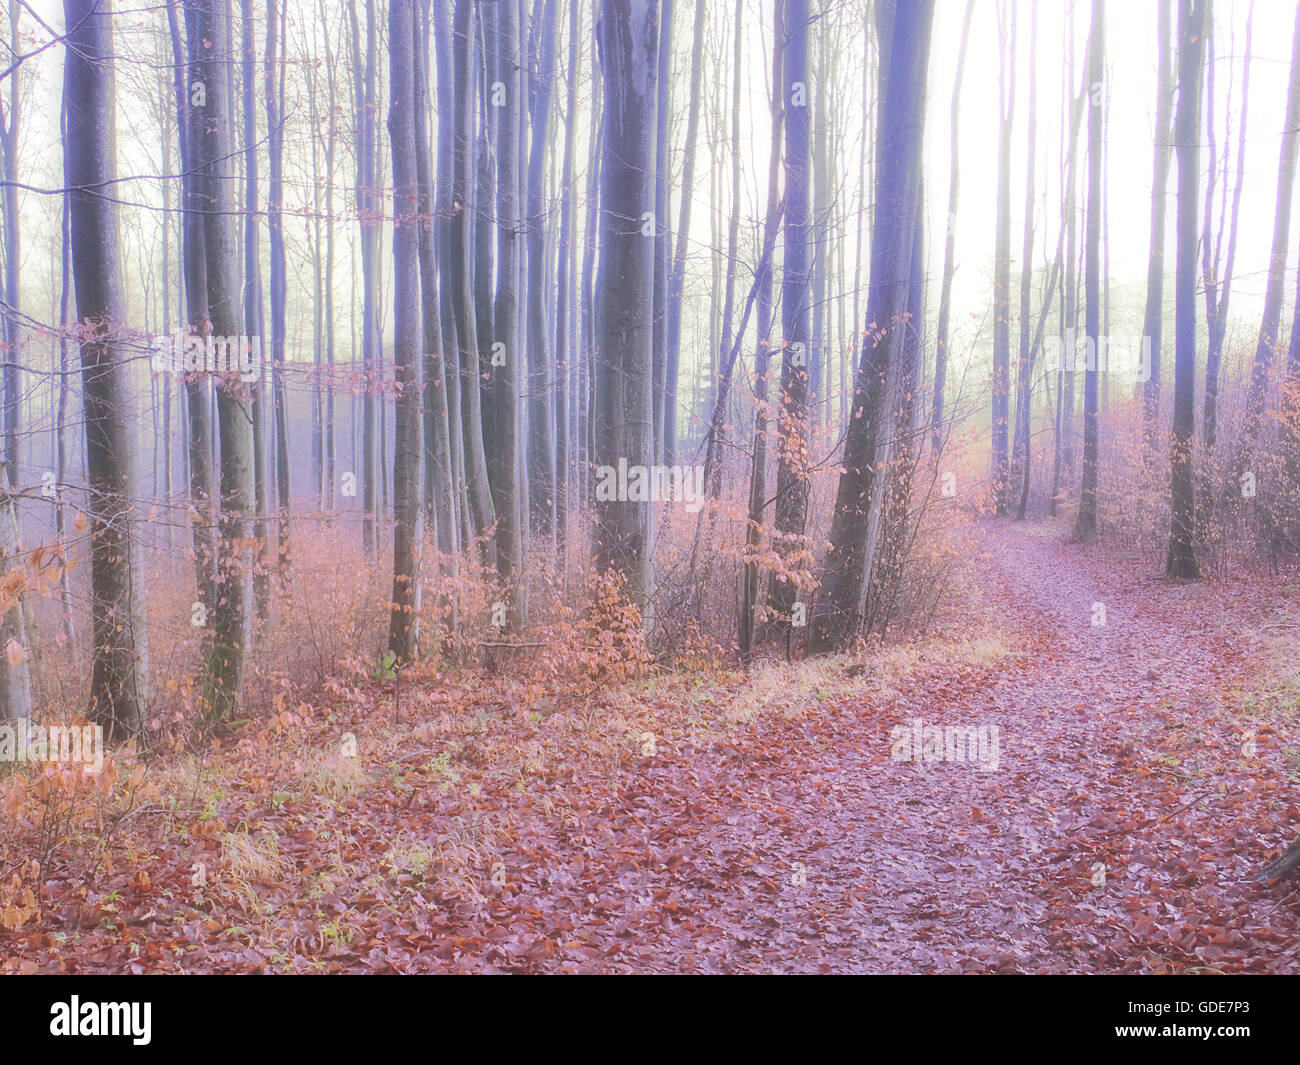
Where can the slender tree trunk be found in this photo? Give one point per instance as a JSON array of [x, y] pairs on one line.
[[461, 267], [1085, 525], [209, 49], [408, 459], [119, 680], [1216, 271], [565, 348], [1002, 270], [1270, 322], [792, 423], [10, 130], [677, 273], [748, 622], [663, 238], [1193, 23], [623, 414], [363, 75], [279, 277], [447, 105], [1021, 444], [254, 322], [949, 243], [61, 413], [541, 372], [509, 361], [199, 438], [439, 486], [1153, 317], [897, 179]]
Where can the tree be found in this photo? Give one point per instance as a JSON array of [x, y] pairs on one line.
[[763, 292], [1021, 444], [1085, 524], [254, 320], [1217, 270], [540, 361], [1002, 272], [1192, 25], [10, 132], [368, 214], [792, 416], [209, 49], [628, 36], [663, 241], [565, 348], [1271, 319], [274, 81], [508, 359], [1153, 317], [439, 484], [198, 420], [460, 266], [408, 469], [119, 688], [949, 244], [899, 144], [677, 272]]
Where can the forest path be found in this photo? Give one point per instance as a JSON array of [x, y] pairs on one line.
[[805, 847], [1143, 772]]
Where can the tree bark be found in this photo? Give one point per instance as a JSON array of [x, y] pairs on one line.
[[1192, 26], [899, 144], [1085, 525], [792, 418], [628, 35], [119, 679], [1153, 317], [209, 49]]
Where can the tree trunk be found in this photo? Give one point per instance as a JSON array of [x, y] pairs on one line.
[[1192, 26], [565, 347], [408, 470], [439, 486], [10, 130], [541, 374], [1022, 445], [1217, 271], [254, 323], [663, 241], [1270, 321], [897, 178], [792, 419], [628, 34], [747, 624], [1153, 318], [677, 273], [209, 49], [1002, 271], [949, 244], [1085, 525], [461, 266], [508, 358], [199, 439], [368, 210], [119, 680]]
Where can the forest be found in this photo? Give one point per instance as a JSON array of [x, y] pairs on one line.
[[649, 486]]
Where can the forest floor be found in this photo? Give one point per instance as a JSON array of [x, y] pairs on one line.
[[1146, 767]]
